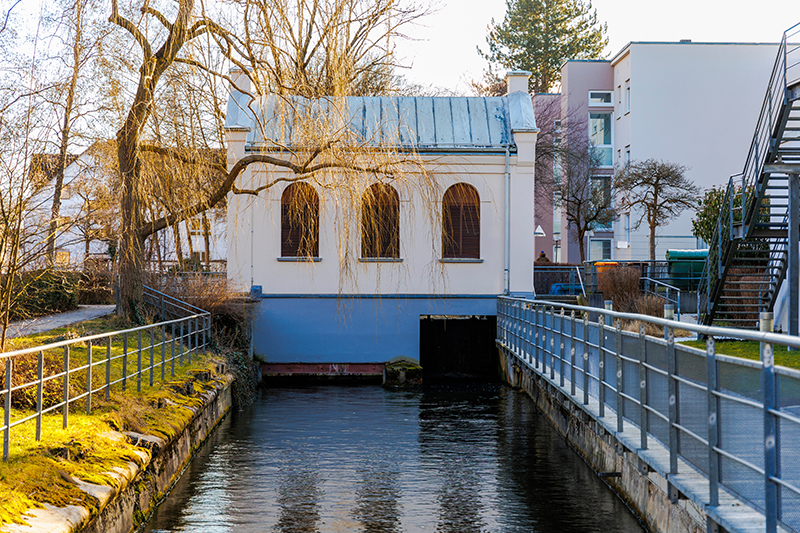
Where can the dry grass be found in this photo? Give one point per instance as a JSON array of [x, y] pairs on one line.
[[621, 285]]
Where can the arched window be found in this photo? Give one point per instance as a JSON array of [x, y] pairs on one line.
[[461, 222], [299, 221], [380, 222]]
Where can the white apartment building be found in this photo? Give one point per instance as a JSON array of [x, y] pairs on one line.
[[695, 104]]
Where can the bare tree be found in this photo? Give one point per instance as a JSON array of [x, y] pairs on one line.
[[657, 191], [310, 47]]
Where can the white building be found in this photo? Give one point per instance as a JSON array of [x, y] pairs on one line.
[[310, 312], [89, 218], [694, 104]]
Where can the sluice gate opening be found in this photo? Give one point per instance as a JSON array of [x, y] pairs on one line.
[[458, 347]]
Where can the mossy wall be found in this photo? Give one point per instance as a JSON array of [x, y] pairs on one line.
[[644, 493], [137, 499]]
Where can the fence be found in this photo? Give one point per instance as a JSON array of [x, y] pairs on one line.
[[735, 421], [558, 280], [72, 364]]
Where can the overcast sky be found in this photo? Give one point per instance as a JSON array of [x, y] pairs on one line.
[[444, 53]]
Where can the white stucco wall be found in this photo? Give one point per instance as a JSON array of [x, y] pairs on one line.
[[254, 236]]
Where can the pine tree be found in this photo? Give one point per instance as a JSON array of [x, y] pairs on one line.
[[539, 35]]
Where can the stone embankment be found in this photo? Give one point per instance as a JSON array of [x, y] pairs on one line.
[[141, 488]]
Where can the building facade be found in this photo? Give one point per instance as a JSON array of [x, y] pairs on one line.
[[694, 104], [328, 294]]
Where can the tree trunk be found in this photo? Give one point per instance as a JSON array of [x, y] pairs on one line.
[[652, 242], [207, 238], [69, 106], [176, 235]]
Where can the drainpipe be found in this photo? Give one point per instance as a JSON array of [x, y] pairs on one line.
[[507, 271]]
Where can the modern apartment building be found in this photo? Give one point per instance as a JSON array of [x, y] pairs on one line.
[[694, 104]]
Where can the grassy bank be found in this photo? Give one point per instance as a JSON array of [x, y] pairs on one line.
[[91, 447], [751, 350]]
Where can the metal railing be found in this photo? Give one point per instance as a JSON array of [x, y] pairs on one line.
[[558, 280], [647, 286], [735, 421], [682, 273], [175, 339], [749, 185]]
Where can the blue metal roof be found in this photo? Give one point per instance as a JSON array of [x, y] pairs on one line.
[[418, 123]]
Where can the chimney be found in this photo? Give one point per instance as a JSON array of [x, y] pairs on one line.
[[517, 81], [240, 79]]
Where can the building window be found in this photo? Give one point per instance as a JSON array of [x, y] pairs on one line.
[[601, 186], [627, 96], [600, 137], [600, 98], [299, 221], [556, 215], [461, 222], [628, 156], [62, 259], [599, 249], [380, 222], [195, 226]]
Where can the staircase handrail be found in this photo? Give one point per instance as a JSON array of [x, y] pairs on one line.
[[761, 152]]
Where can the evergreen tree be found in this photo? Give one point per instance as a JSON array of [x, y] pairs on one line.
[[539, 35]]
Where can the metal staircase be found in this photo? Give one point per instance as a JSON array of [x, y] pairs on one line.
[[748, 255]]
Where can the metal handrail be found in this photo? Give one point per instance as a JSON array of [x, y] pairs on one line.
[[542, 336], [188, 334], [676, 301], [761, 152]]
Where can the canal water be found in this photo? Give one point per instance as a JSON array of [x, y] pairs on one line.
[[451, 459]]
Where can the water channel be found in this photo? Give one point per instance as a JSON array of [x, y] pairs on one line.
[[451, 459]]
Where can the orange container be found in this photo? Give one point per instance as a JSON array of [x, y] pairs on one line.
[[602, 266]]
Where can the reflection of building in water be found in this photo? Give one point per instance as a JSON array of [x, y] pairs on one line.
[[377, 496], [298, 498]]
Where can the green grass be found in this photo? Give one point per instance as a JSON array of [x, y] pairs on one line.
[[751, 350], [38, 471]]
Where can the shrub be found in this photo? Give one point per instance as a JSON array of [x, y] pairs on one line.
[[45, 291], [621, 285], [95, 288]]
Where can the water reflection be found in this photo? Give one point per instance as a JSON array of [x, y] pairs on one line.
[[328, 459]]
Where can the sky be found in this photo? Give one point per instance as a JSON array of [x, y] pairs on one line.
[[444, 51]]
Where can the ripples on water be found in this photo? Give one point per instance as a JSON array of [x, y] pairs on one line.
[[452, 459]]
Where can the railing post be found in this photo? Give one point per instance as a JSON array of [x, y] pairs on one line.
[[152, 354], [180, 343], [713, 423], [528, 334], [139, 362], [672, 395], [161, 304], [7, 412], [172, 359], [601, 356], [642, 388], [552, 342], [620, 382], [65, 415], [163, 350], [39, 394], [124, 361], [189, 338], [88, 377], [585, 358], [572, 352], [537, 334], [561, 350], [771, 444], [108, 367]]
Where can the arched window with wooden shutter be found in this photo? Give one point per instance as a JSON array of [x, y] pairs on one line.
[[461, 222], [380, 222], [299, 221]]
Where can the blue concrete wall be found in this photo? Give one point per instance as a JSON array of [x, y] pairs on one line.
[[320, 329]]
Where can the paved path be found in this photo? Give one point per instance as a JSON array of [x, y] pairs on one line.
[[45, 323]]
